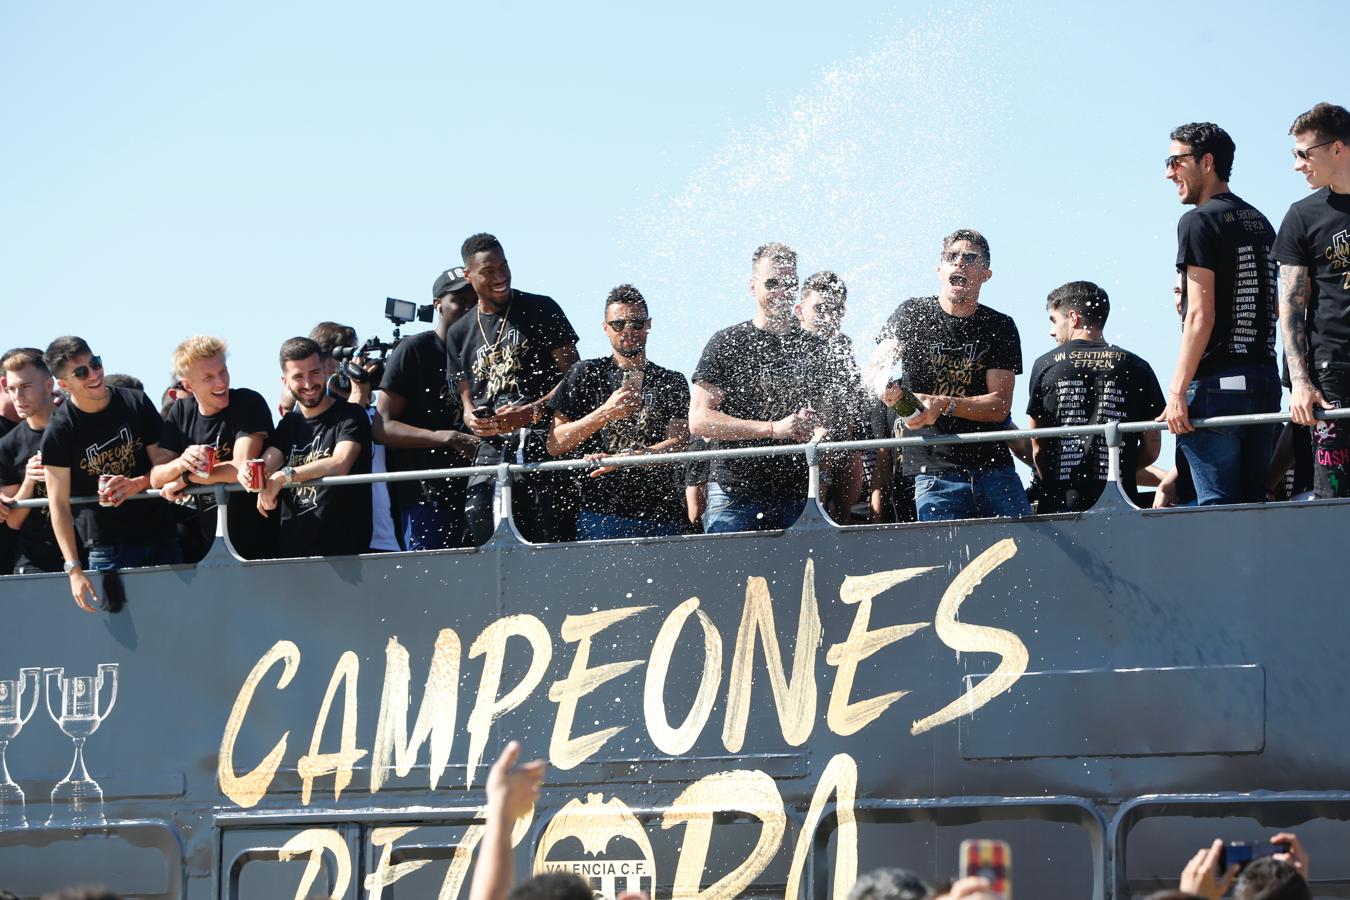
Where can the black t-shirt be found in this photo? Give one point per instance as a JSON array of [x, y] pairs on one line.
[[1316, 233], [247, 413], [509, 356], [112, 441], [415, 371], [764, 377], [645, 492], [951, 355], [1230, 237], [35, 541], [324, 521], [1087, 383]]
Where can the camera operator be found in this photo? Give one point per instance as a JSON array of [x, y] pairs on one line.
[[421, 422]]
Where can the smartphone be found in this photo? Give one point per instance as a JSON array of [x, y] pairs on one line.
[[1242, 853], [632, 378], [484, 412], [990, 859]]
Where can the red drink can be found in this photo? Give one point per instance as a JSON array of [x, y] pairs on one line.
[[257, 475], [210, 464], [103, 480]]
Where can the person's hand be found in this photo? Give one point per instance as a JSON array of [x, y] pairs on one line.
[[1177, 415], [267, 497], [1201, 875], [34, 471], [972, 887], [1164, 497], [173, 491], [119, 489], [1297, 856], [621, 404], [797, 427], [1303, 400], [511, 790], [486, 426], [6, 506], [241, 475], [934, 405], [605, 470], [514, 416], [82, 589], [194, 458]]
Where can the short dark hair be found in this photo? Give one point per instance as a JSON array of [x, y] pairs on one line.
[[63, 350], [122, 380], [331, 335], [22, 358], [298, 348], [1206, 137], [552, 886], [625, 293], [1268, 878], [1084, 298], [482, 242], [968, 234], [826, 284], [774, 250], [1326, 120], [888, 884]]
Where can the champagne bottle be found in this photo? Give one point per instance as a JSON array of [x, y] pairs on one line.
[[907, 406]]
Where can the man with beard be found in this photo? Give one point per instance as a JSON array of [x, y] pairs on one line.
[[1313, 249], [102, 431], [1226, 365], [761, 383], [421, 423], [624, 405], [322, 436], [504, 362], [29, 386], [234, 423], [960, 358]]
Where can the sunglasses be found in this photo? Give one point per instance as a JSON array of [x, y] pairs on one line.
[[1304, 154], [636, 324], [1170, 162], [966, 257], [82, 372], [780, 284]]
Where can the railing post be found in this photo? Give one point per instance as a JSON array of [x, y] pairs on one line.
[[504, 485], [1112, 436], [813, 469]]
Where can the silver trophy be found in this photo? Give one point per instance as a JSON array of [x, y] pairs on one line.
[[12, 720], [77, 799]]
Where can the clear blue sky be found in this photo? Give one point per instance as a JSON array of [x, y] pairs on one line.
[[249, 169]]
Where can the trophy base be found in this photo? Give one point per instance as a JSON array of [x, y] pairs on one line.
[[12, 807], [77, 803]]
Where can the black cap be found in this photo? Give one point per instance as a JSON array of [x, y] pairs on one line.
[[449, 281]]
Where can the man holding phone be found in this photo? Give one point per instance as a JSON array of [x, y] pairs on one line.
[[624, 405]]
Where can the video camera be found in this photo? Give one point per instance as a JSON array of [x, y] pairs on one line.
[[355, 359]]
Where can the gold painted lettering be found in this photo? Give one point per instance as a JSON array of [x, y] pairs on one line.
[[976, 639], [564, 751], [246, 790], [385, 874], [435, 717], [795, 699], [313, 842], [595, 823], [842, 716], [676, 741], [459, 863], [740, 791], [315, 764], [840, 778], [488, 707]]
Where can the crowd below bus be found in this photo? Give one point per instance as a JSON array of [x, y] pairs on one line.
[[498, 380]]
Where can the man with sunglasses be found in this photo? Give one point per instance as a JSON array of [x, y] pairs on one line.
[[1313, 249], [103, 431], [760, 383], [960, 358], [1226, 365], [624, 405]]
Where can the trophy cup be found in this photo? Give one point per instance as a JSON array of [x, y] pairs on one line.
[[77, 793], [12, 721]]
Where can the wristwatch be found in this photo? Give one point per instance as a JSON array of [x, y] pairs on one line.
[[288, 473], [70, 566], [951, 407]]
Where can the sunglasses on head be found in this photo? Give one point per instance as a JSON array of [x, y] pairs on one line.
[[82, 372], [780, 284], [970, 259], [636, 324]]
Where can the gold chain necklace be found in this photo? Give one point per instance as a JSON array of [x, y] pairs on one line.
[[501, 326]]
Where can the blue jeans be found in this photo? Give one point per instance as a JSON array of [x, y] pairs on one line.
[[595, 526], [431, 526], [1229, 465], [969, 494], [110, 557], [730, 512]]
